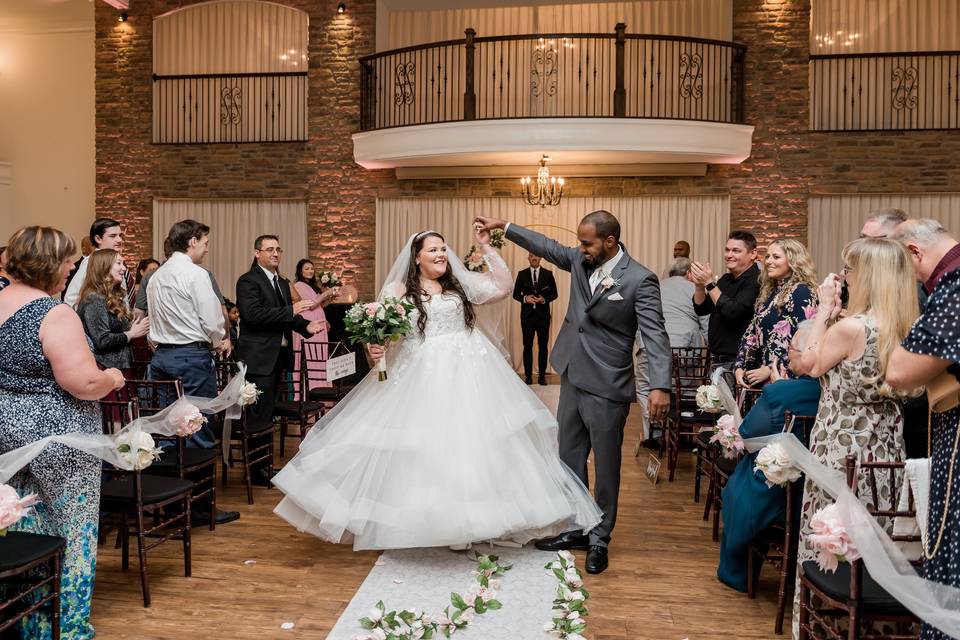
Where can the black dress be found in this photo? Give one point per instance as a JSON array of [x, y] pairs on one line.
[[937, 333]]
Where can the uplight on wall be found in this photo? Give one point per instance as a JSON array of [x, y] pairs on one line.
[[341, 8], [123, 17]]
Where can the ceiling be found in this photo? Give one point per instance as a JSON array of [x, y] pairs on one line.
[[45, 15]]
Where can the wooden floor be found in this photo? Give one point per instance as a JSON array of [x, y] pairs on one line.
[[661, 583]]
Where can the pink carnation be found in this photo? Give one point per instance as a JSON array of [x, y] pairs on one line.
[[12, 506], [728, 435]]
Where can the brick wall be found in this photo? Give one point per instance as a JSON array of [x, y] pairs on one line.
[[768, 192]]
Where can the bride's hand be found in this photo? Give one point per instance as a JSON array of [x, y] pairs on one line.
[[377, 351], [480, 235]]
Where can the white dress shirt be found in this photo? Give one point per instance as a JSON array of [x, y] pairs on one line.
[[605, 270], [274, 284], [72, 294], [183, 306]]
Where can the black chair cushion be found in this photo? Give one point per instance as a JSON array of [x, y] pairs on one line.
[[118, 492], [726, 465], [291, 408], [192, 457], [19, 548], [874, 598], [251, 428], [329, 394], [697, 417]]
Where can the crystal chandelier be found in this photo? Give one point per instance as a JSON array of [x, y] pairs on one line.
[[547, 191]]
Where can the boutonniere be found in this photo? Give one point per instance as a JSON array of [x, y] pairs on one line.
[[608, 282]]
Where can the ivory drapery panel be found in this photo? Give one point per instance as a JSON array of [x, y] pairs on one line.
[[650, 226], [234, 225], [872, 26]]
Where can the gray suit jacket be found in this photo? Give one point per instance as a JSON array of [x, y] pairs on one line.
[[595, 346]]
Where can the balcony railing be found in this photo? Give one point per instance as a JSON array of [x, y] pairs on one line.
[[561, 75], [885, 91]]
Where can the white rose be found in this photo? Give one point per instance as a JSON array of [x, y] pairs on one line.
[[375, 615], [248, 393], [566, 555], [140, 452]]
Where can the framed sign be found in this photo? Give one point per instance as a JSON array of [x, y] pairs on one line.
[[341, 366], [652, 471]]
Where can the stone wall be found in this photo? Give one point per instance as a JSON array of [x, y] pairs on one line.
[[768, 192]]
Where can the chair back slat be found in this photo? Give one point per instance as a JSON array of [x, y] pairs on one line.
[[152, 396]]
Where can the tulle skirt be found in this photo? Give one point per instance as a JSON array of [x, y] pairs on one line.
[[453, 448]]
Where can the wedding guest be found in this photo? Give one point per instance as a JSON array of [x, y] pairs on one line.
[[186, 325], [681, 249], [233, 314], [859, 412], [929, 356], [729, 300], [882, 223], [535, 289], [105, 233], [684, 326], [749, 505], [85, 250], [48, 382], [4, 279], [144, 268], [307, 287], [787, 297], [269, 319], [106, 318]]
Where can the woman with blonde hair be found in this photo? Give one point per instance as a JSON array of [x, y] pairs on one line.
[[787, 297], [103, 308], [48, 380], [859, 413]]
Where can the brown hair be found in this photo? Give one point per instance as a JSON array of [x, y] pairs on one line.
[[35, 255], [99, 281]]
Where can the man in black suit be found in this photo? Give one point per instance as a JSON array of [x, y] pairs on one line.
[[268, 317], [535, 290]]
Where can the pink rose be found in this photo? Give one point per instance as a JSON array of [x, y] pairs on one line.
[[830, 538], [400, 309], [186, 419], [372, 308]]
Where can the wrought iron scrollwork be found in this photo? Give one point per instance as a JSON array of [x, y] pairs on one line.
[[404, 83], [691, 75], [231, 105], [543, 71], [905, 80]]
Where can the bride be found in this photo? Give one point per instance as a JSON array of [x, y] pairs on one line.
[[453, 448]]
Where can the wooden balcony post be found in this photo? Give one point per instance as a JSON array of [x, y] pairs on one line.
[[620, 92], [469, 96]]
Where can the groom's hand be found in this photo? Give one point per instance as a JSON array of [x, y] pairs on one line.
[[657, 404], [490, 223]]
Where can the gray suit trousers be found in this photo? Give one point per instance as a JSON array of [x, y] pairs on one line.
[[588, 421]]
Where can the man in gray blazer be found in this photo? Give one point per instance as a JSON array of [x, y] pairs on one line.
[[611, 297]]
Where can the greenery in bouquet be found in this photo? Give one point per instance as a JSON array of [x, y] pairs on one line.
[[378, 322]]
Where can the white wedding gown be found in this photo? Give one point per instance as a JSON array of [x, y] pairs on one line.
[[453, 448]]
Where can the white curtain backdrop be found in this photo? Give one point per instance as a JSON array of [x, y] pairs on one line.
[[871, 26], [650, 226], [694, 18], [234, 225], [836, 220]]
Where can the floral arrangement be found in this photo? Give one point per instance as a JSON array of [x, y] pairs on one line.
[[473, 260], [776, 465], [249, 393], [414, 624], [830, 538], [727, 434], [328, 279], [708, 398], [186, 419], [569, 607], [13, 507], [379, 323], [140, 454]]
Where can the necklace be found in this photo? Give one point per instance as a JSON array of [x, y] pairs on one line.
[[430, 287]]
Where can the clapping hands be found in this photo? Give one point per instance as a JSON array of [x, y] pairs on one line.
[[830, 304], [700, 273]]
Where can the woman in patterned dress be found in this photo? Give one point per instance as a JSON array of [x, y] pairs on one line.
[[859, 413], [787, 297], [48, 379]]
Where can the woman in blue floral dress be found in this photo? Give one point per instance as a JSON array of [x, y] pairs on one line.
[[47, 380], [787, 297]]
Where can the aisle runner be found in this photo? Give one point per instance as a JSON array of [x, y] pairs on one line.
[[424, 578]]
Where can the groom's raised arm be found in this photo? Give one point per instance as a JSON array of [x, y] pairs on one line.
[[539, 244]]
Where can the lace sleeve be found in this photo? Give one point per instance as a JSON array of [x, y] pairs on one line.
[[493, 285]]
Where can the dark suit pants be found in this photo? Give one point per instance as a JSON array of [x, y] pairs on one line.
[[541, 328], [591, 422], [193, 366]]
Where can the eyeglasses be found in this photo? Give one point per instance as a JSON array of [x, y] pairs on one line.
[[271, 250]]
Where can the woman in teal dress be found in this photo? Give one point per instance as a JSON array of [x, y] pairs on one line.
[[48, 378]]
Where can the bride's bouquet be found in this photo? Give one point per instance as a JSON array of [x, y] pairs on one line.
[[379, 323], [329, 279], [473, 260]]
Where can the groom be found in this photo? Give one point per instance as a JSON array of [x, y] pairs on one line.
[[611, 297]]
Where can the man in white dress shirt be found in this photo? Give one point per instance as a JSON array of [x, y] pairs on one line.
[[105, 233], [186, 320]]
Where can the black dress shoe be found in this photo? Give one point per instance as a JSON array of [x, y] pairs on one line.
[[596, 559], [651, 443], [260, 477], [542, 381], [564, 541], [199, 518], [528, 380]]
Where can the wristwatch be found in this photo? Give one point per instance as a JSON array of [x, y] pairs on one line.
[[710, 286]]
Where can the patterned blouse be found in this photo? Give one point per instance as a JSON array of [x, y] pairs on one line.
[[768, 336]]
